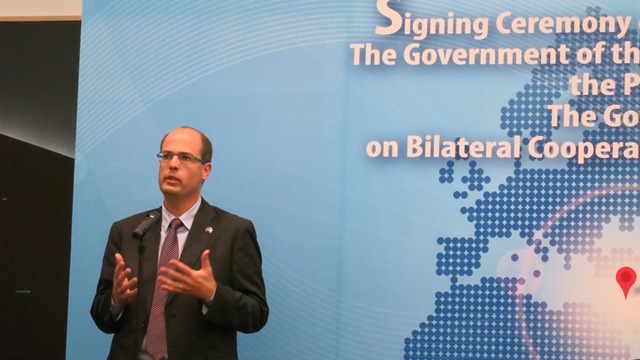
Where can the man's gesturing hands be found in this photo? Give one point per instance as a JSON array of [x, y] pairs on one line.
[[185, 280], [121, 292], [182, 279]]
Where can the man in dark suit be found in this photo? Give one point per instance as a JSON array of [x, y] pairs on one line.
[[201, 300]]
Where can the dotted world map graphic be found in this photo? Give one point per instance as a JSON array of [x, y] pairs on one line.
[[560, 212]]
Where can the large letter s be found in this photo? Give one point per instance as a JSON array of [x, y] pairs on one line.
[[389, 13]]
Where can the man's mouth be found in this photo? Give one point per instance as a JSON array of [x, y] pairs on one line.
[[171, 179]]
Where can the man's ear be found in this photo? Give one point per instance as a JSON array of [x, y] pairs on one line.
[[206, 171]]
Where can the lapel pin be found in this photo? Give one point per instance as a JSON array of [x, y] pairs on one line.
[[209, 229]]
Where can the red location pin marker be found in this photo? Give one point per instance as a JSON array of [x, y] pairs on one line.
[[626, 277]]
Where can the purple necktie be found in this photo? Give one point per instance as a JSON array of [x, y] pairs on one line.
[[156, 339]]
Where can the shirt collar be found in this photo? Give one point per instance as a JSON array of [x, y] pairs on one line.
[[186, 218]]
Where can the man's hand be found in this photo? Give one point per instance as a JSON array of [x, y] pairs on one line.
[[185, 280], [121, 292]]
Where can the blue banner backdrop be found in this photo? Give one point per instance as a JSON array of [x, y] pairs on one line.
[[428, 179]]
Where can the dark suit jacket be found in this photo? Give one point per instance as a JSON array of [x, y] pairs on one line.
[[239, 304]]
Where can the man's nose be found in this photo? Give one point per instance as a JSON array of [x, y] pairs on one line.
[[174, 162]]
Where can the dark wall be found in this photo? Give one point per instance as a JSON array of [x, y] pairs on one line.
[[35, 202], [38, 95], [39, 83]]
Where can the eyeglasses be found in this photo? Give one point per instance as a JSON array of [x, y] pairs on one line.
[[184, 158]]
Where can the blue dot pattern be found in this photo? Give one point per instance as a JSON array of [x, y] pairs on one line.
[[475, 180], [562, 209], [492, 320], [446, 173], [556, 212]]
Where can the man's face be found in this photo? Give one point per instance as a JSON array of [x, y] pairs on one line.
[[178, 180]]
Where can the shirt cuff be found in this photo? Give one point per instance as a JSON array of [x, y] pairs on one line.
[[116, 310], [207, 304]]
